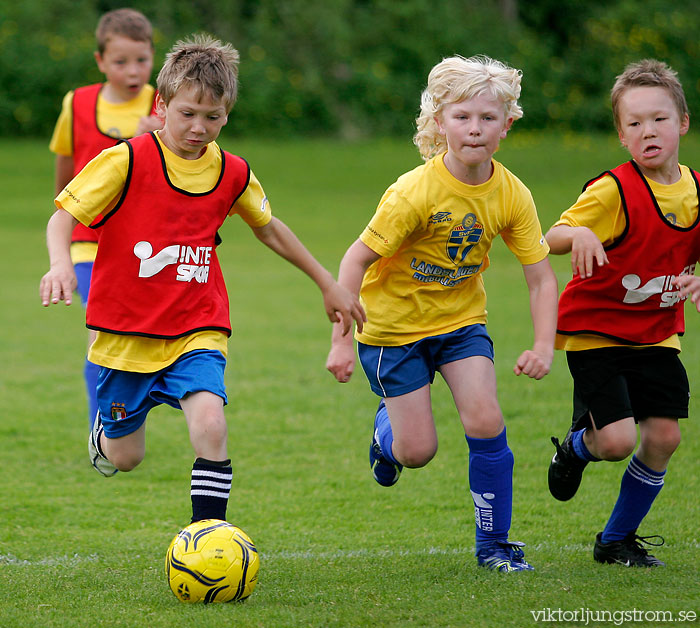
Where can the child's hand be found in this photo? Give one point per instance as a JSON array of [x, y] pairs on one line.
[[341, 360], [58, 285], [586, 249], [534, 364], [689, 286], [148, 124], [342, 306]]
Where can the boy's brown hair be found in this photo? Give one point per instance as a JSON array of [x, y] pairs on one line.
[[648, 73], [206, 65], [126, 22]]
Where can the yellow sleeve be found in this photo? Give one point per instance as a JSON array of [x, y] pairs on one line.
[[523, 237], [98, 186], [599, 208], [393, 222], [62, 139], [253, 205]]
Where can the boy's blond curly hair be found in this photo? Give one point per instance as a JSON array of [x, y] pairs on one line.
[[202, 63], [455, 79]]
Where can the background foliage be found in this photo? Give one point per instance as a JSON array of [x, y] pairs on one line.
[[354, 68]]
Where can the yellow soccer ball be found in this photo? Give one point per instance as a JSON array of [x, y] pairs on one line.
[[212, 561]]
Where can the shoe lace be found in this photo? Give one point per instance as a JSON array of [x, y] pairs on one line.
[[559, 448], [569, 458], [637, 541]]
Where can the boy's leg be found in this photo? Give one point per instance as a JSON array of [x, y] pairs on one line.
[[615, 441], [472, 382], [641, 483], [602, 425], [386, 470], [211, 477], [413, 428], [401, 376], [117, 440]]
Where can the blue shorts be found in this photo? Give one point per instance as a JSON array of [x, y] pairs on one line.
[[83, 272], [125, 398], [394, 371]]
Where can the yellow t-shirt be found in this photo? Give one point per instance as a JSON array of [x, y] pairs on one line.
[[434, 234], [599, 207], [118, 120], [97, 188]]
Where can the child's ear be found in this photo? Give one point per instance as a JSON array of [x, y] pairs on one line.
[[160, 107], [685, 124], [621, 135], [99, 61], [506, 127], [439, 125]]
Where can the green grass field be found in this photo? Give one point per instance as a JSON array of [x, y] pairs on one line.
[[79, 550]]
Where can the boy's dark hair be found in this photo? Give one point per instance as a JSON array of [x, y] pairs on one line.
[[126, 22], [648, 73], [202, 63]]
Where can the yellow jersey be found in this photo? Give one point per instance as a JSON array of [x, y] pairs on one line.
[[118, 120], [434, 234]]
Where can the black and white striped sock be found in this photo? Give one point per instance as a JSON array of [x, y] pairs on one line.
[[210, 489]]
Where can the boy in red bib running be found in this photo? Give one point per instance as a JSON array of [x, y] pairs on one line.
[[95, 117], [634, 238], [158, 301]]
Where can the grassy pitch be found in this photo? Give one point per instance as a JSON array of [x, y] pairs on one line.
[[79, 550]]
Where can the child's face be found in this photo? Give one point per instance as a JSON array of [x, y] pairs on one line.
[[127, 66], [191, 122], [651, 127], [473, 130]]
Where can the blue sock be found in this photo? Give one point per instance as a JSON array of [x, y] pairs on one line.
[[580, 448], [90, 373], [639, 487], [384, 434], [491, 486]]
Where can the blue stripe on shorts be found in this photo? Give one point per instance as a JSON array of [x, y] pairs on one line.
[[394, 371]]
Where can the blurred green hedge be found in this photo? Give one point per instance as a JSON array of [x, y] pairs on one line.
[[354, 68]]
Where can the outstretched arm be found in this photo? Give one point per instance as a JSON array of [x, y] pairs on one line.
[[586, 249], [542, 285], [58, 284], [341, 306], [355, 262]]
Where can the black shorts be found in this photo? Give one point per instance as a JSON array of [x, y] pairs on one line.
[[614, 383]]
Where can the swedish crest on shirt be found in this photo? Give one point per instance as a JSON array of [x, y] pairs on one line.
[[463, 238], [118, 411]]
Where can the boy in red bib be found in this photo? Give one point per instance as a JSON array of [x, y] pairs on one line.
[[95, 117], [158, 300], [634, 238]]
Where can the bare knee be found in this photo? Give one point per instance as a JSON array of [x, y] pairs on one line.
[[615, 450], [615, 446], [414, 455], [661, 442], [125, 459]]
